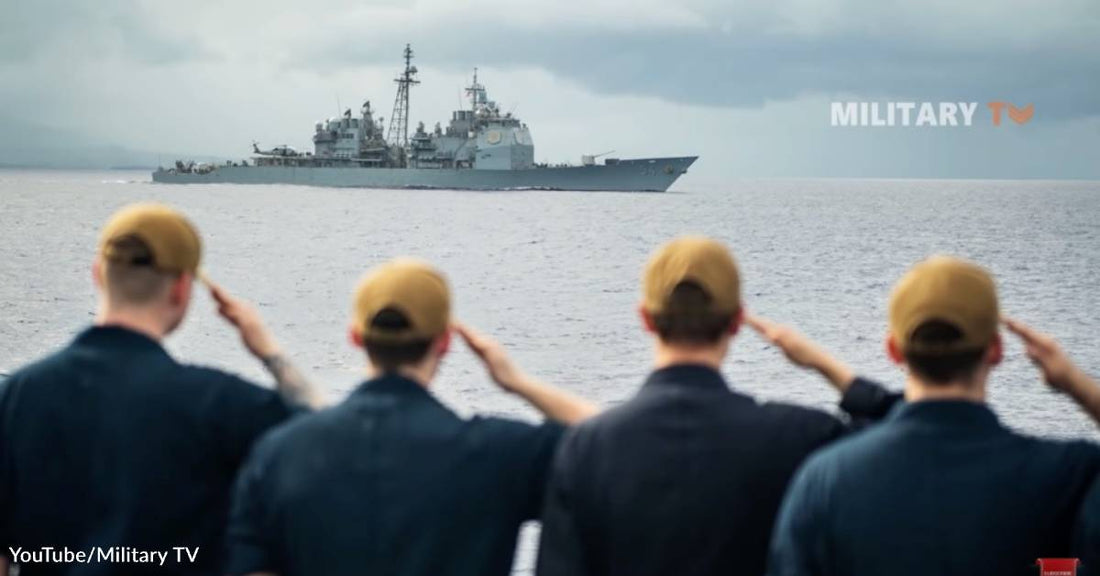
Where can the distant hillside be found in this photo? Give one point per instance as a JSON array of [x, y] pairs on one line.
[[26, 145]]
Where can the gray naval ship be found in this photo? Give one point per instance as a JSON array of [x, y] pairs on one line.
[[480, 149]]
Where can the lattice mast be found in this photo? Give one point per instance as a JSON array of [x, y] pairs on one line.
[[398, 134]]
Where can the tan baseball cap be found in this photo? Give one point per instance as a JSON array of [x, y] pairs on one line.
[[703, 261], [409, 286], [173, 241], [949, 290]]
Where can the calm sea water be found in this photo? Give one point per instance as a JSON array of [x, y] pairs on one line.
[[555, 275]]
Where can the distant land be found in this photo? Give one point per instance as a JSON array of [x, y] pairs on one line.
[[26, 145], [105, 158]]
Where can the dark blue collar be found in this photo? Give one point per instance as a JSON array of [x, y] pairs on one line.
[[397, 391], [687, 375], [118, 338], [947, 413], [395, 385]]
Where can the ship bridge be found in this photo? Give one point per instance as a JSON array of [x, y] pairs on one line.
[[479, 137]]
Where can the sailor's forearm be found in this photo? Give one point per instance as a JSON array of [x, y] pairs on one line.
[[291, 384], [839, 375], [555, 403], [1085, 391]]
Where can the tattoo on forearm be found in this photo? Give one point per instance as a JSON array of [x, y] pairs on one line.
[[294, 387]]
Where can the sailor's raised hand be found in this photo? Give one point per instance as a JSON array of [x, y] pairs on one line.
[[1058, 370], [801, 351], [246, 319], [493, 356]]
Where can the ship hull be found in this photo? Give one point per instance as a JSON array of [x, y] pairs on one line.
[[641, 175]]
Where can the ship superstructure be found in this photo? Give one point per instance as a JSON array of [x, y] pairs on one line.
[[480, 138]]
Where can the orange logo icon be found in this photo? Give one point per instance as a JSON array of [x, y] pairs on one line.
[[1018, 115]]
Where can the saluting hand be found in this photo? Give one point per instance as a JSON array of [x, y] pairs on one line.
[[493, 356], [803, 352], [242, 315], [1058, 370], [555, 403], [796, 347]]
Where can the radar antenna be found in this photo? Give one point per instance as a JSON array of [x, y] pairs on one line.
[[398, 133], [476, 92]]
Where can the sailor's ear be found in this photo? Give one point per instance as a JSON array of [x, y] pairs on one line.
[[647, 319], [354, 337], [738, 320], [995, 353], [442, 343], [97, 273], [893, 351], [179, 294]]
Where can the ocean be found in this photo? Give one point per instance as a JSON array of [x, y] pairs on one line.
[[555, 275]]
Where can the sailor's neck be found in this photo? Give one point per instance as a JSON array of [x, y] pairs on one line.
[[140, 321], [422, 374], [917, 391], [666, 356]]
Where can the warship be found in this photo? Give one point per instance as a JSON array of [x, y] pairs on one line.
[[480, 149]]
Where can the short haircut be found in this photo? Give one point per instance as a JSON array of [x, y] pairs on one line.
[[389, 356], [130, 275], [942, 368], [688, 318]]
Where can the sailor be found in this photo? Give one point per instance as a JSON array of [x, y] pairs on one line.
[[941, 486], [686, 477], [110, 443], [391, 481]]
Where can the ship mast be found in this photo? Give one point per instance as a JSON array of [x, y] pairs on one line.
[[398, 133], [476, 92]]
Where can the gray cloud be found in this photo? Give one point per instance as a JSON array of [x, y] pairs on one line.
[[65, 32], [748, 68], [734, 53]]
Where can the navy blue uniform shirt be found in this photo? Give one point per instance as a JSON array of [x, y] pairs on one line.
[[110, 442], [684, 479], [1087, 538], [389, 482], [940, 487]]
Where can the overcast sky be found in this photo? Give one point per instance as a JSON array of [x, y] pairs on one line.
[[744, 84]]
